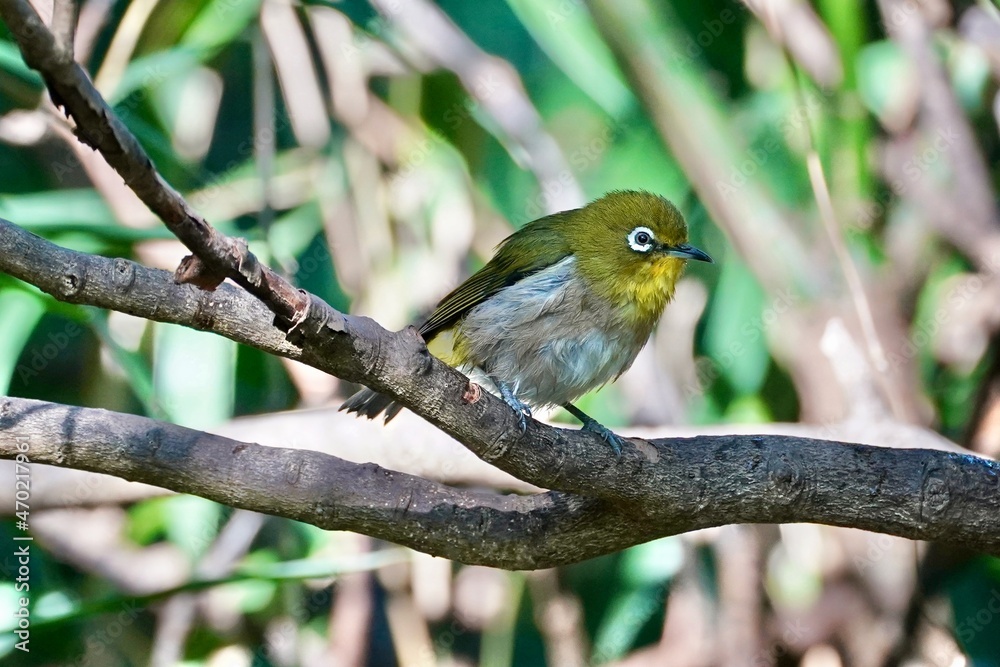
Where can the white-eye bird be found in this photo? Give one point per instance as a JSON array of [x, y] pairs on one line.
[[563, 307]]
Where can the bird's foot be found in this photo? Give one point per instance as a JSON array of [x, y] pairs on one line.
[[614, 440], [520, 408]]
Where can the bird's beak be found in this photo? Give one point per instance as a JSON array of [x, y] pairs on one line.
[[685, 251]]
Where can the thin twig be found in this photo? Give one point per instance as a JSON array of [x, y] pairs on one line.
[[856, 287], [859, 295]]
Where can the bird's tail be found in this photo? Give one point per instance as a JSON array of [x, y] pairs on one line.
[[368, 403]]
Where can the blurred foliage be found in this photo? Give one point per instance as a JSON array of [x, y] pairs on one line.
[[384, 221]]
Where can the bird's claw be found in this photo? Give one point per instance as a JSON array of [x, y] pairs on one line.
[[521, 409], [616, 442], [522, 420]]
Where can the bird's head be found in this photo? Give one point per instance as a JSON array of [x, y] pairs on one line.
[[632, 247]]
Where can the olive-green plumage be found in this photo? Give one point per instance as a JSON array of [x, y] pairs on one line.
[[564, 306]]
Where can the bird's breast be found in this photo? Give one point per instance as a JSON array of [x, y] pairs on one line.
[[549, 336]]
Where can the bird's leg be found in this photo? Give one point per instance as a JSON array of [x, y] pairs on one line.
[[594, 426], [520, 408]]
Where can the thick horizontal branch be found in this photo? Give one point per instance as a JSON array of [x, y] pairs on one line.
[[510, 531], [676, 484], [718, 480]]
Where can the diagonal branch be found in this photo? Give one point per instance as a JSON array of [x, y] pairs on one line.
[[100, 128]]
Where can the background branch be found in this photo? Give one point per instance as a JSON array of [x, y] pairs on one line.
[[64, 25]]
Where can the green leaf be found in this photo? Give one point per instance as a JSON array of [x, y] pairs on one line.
[[218, 23], [56, 208], [320, 568], [646, 570], [20, 312], [566, 32], [975, 599], [147, 520], [653, 562], [252, 594], [970, 75], [748, 410], [886, 77], [134, 364], [193, 374], [632, 160], [151, 71], [292, 233], [192, 523], [628, 613], [77, 218], [12, 63], [735, 328], [56, 602]]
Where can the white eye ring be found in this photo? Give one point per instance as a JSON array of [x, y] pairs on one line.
[[641, 239]]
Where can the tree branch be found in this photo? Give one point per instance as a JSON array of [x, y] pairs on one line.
[[516, 532], [673, 484], [951, 502], [97, 126]]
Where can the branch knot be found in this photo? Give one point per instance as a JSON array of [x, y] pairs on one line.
[[72, 281], [789, 482]]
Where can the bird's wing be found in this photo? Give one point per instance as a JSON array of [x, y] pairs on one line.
[[535, 246]]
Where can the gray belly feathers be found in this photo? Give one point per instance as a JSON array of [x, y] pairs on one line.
[[549, 337]]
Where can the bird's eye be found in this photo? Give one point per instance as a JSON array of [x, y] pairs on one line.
[[641, 239]]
